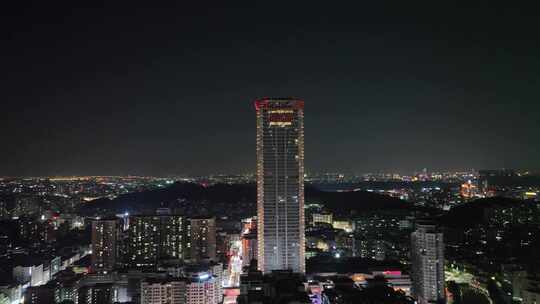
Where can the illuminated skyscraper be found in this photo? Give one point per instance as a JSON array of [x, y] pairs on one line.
[[427, 255], [280, 184]]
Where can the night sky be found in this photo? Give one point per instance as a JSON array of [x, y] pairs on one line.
[[121, 88]]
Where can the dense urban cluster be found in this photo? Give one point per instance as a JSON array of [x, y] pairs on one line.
[[52, 253]]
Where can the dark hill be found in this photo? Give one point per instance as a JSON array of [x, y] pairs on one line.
[[474, 212], [353, 201], [233, 196], [147, 201]]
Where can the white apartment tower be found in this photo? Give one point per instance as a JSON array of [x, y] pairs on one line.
[[427, 256]]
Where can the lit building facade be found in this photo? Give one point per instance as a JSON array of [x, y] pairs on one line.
[[96, 294], [280, 184], [325, 217], [202, 239], [204, 291], [343, 224], [143, 241], [163, 291], [105, 237], [468, 190], [201, 289], [205, 279], [427, 257], [173, 237], [249, 240], [152, 237]]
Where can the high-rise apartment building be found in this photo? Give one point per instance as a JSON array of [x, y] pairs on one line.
[[202, 234], [427, 257], [152, 237], [144, 240], [105, 237], [280, 184], [173, 237]]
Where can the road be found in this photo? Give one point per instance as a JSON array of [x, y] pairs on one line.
[[235, 265]]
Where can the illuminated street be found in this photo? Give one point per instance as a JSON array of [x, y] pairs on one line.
[[235, 265], [463, 277]]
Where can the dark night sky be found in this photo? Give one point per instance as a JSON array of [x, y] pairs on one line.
[[112, 88]]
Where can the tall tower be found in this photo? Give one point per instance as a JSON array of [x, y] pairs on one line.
[[280, 184], [105, 237], [427, 255]]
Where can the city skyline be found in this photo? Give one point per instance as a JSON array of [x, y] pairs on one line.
[[378, 174], [155, 91]]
